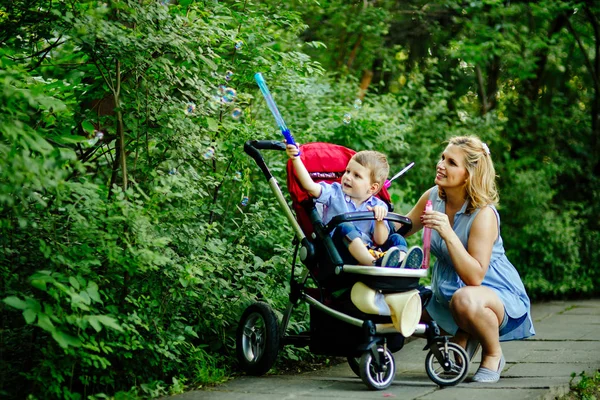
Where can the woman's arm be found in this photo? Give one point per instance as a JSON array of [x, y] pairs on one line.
[[470, 265], [415, 214]]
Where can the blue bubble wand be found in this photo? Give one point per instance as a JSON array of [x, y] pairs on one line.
[[274, 110]]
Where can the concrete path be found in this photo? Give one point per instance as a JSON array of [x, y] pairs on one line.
[[567, 341]]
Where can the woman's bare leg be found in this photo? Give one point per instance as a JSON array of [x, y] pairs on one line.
[[478, 311]]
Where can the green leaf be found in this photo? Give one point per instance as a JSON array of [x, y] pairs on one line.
[[92, 291], [73, 281], [29, 315], [88, 127], [65, 340], [93, 320], [45, 323], [109, 322], [213, 125], [208, 61], [15, 302]]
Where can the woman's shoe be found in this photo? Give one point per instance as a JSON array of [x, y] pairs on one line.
[[486, 375]]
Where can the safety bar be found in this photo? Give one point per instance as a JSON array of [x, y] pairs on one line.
[[368, 215]]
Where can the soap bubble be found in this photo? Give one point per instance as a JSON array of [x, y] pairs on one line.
[[190, 108], [209, 153], [229, 95], [173, 171], [236, 113], [237, 176], [358, 104], [99, 135], [245, 201], [347, 118], [221, 88], [239, 44], [228, 75]]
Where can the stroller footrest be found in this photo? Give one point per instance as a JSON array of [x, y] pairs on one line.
[[380, 271]]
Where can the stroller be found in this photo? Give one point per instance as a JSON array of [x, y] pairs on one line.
[[337, 326]]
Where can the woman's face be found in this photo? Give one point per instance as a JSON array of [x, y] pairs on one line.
[[451, 171]]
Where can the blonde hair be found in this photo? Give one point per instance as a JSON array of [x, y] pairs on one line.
[[481, 182], [377, 164]]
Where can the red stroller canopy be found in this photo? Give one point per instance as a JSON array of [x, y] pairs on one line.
[[325, 162]]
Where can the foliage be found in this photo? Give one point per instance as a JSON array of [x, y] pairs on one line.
[[583, 387], [128, 250]]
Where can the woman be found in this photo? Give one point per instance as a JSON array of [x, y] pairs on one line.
[[477, 293]]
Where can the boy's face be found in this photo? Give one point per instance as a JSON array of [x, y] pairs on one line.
[[356, 181]]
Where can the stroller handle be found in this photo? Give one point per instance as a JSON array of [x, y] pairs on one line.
[[252, 147], [368, 215]]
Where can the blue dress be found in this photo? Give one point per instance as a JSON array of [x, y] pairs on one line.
[[501, 276]]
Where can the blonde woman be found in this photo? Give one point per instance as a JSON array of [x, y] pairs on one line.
[[478, 295]]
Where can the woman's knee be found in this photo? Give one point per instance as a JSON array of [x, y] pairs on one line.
[[464, 301]]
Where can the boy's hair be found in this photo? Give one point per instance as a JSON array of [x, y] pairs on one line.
[[377, 164]]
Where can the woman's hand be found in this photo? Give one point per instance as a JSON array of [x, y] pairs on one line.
[[437, 221]]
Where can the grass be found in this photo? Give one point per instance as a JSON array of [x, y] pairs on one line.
[[584, 388]]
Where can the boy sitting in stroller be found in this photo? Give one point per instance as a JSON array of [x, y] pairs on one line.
[[360, 242]]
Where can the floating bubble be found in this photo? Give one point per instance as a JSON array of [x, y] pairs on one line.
[[190, 108], [228, 75], [245, 201], [209, 153], [99, 135], [358, 104], [239, 44], [347, 118], [237, 176], [229, 95], [173, 171], [236, 113], [221, 88]]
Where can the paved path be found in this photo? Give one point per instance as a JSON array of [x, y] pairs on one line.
[[567, 341]]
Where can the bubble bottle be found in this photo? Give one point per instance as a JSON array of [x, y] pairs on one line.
[[426, 239]]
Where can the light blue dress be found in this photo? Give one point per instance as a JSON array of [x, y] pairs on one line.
[[501, 276]]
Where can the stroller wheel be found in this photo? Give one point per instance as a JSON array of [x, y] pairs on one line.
[[354, 363], [452, 375], [378, 376], [257, 339]]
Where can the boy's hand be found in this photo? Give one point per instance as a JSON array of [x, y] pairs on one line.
[[379, 211], [293, 151]]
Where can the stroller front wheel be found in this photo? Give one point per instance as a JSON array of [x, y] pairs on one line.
[[257, 339], [378, 374], [456, 369]]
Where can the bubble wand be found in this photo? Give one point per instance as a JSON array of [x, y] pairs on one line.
[[274, 110], [388, 182]]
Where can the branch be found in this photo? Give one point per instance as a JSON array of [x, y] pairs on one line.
[[588, 63], [481, 90]]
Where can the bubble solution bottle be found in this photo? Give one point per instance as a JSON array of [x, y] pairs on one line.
[[426, 239]]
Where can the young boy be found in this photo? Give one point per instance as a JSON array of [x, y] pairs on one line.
[[364, 177]]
